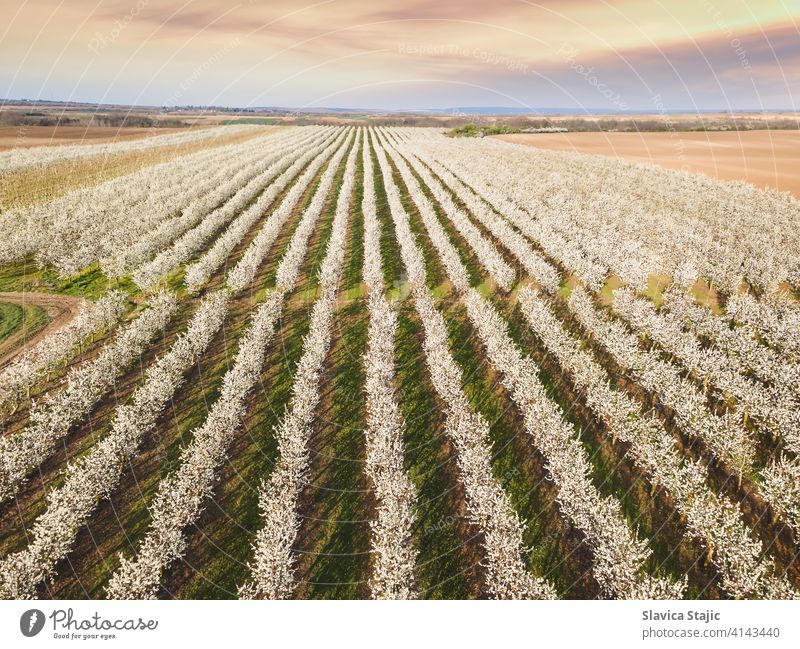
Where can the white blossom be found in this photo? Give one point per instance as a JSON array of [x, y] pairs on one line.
[[52, 418], [563, 218], [714, 521], [115, 221], [198, 273], [633, 219], [18, 159], [247, 188], [24, 372], [245, 270], [618, 556], [394, 555], [739, 342], [488, 505], [725, 437], [95, 475], [272, 566], [502, 274], [180, 495]]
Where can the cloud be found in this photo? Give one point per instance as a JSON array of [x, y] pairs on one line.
[[688, 51]]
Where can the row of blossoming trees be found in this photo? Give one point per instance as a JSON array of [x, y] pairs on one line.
[[550, 257]]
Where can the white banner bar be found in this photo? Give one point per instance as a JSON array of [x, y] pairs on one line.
[[400, 624]]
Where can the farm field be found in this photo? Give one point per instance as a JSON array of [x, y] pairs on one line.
[[350, 362], [761, 157], [23, 137]]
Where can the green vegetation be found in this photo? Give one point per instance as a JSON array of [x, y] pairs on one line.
[[474, 130], [250, 120], [10, 319], [336, 555], [91, 283], [19, 321]]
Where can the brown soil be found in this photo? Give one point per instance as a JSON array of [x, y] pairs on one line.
[[61, 309], [763, 158], [24, 137]]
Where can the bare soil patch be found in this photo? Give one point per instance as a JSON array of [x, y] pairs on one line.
[[763, 158], [24, 137]]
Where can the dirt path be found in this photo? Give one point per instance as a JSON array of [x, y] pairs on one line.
[[61, 309]]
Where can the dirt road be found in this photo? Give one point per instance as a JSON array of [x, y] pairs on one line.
[[61, 309]]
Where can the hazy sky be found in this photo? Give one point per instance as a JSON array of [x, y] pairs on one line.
[[651, 55]]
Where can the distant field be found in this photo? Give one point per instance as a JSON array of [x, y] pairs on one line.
[[251, 120], [27, 136], [763, 158]]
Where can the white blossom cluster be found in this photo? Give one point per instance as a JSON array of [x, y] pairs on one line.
[[18, 159], [289, 268], [244, 271], [777, 321], [137, 229], [155, 222], [641, 219], [531, 260], [194, 239], [725, 438], [544, 233], [104, 222], [773, 409], [781, 488], [272, 566], [773, 317], [557, 215], [190, 201], [711, 519], [23, 373], [180, 495], [392, 547], [618, 556], [485, 250], [85, 385], [548, 236], [488, 505], [198, 273], [95, 475], [738, 342]]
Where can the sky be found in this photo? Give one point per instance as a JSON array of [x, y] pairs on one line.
[[586, 55]]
